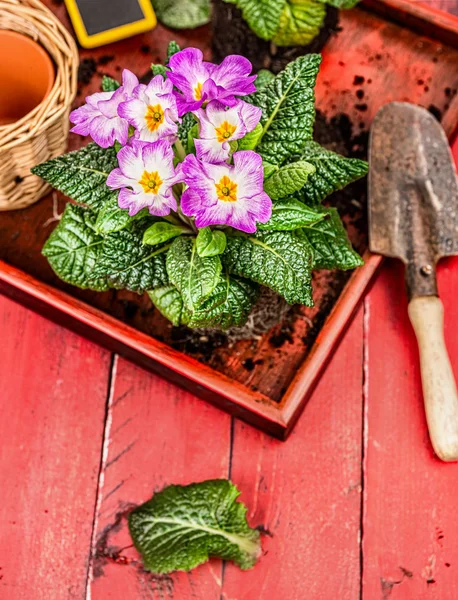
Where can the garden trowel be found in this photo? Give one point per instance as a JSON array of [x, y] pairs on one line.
[[413, 215]]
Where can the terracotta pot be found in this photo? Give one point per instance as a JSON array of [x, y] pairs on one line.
[[26, 75]]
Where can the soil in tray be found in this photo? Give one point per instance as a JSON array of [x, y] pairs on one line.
[[387, 63]]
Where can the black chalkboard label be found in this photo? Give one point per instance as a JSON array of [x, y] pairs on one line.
[[100, 15], [99, 22]]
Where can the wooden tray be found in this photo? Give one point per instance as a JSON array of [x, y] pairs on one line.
[[268, 380]]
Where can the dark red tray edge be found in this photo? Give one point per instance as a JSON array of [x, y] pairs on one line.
[[253, 407]]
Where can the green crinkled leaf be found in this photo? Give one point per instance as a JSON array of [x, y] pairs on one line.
[[82, 175], [183, 526], [194, 276], [279, 260], [288, 179], [182, 14], [331, 248], [300, 22], [73, 249], [161, 232], [186, 125], [268, 169], [210, 242], [158, 69], [262, 16], [193, 134], [289, 214], [111, 218], [332, 172], [288, 109], [128, 263], [167, 299], [109, 84], [251, 139], [172, 49], [264, 77], [342, 4], [228, 306]]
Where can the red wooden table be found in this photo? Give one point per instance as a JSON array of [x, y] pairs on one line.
[[354, 503]]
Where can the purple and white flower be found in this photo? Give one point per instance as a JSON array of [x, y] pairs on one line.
[[145, 177], [99, 116], [152, 111], [222, 194], [199, 81], [219, 126]]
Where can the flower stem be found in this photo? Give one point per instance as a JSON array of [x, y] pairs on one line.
[[180, 152], [172, 219], [189, 222]]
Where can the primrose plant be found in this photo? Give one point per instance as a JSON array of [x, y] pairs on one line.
[[198, 197]]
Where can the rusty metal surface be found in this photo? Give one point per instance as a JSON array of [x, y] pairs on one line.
[[413, 193]]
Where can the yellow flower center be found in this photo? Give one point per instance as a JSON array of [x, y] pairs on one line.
[[226, 190], [151, 182], [154, 117], [225, 131], [198, 91]]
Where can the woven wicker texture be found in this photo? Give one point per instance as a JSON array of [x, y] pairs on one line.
[[42, 134]]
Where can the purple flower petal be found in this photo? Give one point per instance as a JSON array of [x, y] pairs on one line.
[[184, 106], [220, 125], [212, 150], [105, 131], [99, 116], [197, 176], [158, 85], [117, 179], [94, 99], [250, 172], [251, 115], [145, 177], [130, 161], [153, 111], [263, 207], [129, 82], [233, 75], [199, 81], [222, 194], [190, 202]]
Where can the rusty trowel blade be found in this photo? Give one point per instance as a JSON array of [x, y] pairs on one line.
[[413, 190]]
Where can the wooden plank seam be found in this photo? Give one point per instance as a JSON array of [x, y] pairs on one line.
[[101, 478]]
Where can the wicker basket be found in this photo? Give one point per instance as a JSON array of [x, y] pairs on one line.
[[42, 134]]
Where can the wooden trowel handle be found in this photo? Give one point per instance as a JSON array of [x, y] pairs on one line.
[[439, 389]]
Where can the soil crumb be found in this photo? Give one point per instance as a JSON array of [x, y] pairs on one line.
[[435, 112], [86, 70], [104, 60]]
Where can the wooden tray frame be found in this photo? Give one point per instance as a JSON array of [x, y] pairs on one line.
[[253, 407]]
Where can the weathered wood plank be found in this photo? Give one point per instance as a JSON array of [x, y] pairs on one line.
[[156, 434], [410, 525], [53, 389], [307, 492]]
